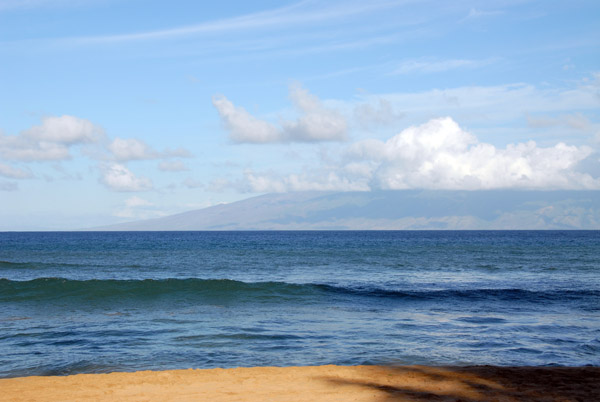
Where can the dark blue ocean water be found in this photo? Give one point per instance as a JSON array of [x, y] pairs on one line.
[[123, 301]]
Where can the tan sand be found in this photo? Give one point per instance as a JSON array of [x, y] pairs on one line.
[[322, 383]]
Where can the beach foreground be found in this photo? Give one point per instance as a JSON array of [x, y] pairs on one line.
[[318, 383]]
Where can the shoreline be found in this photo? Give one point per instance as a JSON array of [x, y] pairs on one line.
[[316, 383]]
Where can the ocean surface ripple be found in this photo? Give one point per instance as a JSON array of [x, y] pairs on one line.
[[122, 301]]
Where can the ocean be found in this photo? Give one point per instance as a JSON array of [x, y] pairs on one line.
[[92, 302]]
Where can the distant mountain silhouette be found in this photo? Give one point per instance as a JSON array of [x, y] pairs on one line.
[[389, 210]]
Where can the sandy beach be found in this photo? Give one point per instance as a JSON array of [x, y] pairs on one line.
[[320, 383]]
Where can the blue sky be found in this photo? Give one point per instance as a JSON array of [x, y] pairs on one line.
[[119, 110]]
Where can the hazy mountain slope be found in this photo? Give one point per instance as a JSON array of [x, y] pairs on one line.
[[408, 209]]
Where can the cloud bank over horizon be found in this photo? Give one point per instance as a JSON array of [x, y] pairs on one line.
[[439, 155]]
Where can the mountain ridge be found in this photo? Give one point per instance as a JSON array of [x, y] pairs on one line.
[[389, 210]]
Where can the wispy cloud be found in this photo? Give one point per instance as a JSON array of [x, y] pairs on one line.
[[576, 121], [13, 172], [129, 149], [304, 12], [437, 66], [476, 14], [499, 104]]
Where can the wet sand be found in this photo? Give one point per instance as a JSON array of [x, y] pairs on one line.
[[321, 383]]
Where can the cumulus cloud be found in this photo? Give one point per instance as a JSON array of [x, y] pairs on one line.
[[49, 141], [53, 140], [64, 130], [439, 155], [242, 126], [19, 148], [118, 178], [14, 173], [133, 149], [315, 123]]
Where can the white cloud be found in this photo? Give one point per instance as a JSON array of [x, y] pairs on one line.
[[437, 66], [491, 108], [65, 130], [134, 149], [49, 141], [475, 13], [118, 178], [491, 105], [295, 14], [242, 126], [311, 181], [19, 148], [172, 166], [438, 155], [131, 149], [316, 122], [14, 173]]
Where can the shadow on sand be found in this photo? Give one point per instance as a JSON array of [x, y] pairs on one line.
[[478, 383]]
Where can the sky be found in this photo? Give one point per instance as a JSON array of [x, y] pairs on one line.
[[118, 110]]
